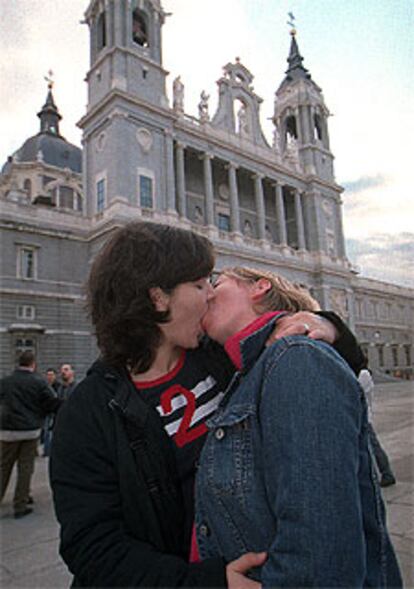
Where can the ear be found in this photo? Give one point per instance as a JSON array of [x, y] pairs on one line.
[[259, 289], [159, 298]]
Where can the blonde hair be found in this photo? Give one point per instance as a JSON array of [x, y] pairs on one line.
[[283, 294]]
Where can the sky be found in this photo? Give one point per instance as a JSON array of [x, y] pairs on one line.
[[360, 52]]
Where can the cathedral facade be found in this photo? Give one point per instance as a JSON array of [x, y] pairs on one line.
[[274, 206]]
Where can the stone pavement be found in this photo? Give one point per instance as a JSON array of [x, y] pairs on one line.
[[29, 547]]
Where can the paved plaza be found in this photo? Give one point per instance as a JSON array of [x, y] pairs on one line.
[[29, 547]]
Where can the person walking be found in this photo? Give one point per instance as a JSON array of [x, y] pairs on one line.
[[25, 401]]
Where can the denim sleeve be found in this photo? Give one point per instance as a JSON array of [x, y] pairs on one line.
[[310, 420]]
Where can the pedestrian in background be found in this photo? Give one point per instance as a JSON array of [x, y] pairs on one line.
[[51, 378], [68, 383], [25, 401], [46, 434]]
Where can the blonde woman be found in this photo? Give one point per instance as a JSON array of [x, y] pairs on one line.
[[286, 467]]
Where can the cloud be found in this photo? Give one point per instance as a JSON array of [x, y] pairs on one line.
[[385, 257], [364, 183]]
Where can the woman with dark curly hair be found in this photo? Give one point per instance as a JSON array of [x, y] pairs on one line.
[[127, 441]]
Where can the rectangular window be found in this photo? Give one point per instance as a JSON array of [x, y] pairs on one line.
[[223, 222], [380, 349], [394, 353], [23, 344], [27, 263], [407, 352], [145, 192], [66, 197], [25, 312], [100, 195]]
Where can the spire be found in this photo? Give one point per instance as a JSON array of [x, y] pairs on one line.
[[49, 115], [295, 69]]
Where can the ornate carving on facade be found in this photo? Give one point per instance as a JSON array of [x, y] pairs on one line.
[[101, 141], [291, 154], [276, 140], [198, 216], [339, 303], [145, 139], [224, 191], [247, 229]]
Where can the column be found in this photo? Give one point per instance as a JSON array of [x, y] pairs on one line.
[[299, 220], [307, 120], [340, 240], [118, 10], [170, 172], [128, 24], [208, 189], [234, 198], [260, 206], [182, 204], [350, 298], [118, 64], [108, 24], [280, 213]]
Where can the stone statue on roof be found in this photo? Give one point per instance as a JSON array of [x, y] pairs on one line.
[[178, 95], [242, 119], [203, 113]]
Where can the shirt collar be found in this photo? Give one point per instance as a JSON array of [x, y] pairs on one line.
[[244, 346]]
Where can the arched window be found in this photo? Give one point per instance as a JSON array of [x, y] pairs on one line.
[[291, 129], [317, 127], [101, 31], [27, 186], [139, 28]]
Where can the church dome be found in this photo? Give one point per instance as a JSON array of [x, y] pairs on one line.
[[48, 145], [51, 149]]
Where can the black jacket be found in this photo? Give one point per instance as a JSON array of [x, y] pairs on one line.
[[120, 512], [25, 400]]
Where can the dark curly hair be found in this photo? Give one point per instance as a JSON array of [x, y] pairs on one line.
[[140, 256]]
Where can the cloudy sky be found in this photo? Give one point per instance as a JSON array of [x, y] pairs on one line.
[[361, 53]]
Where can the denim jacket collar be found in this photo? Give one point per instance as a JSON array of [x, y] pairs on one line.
[[251, 346]]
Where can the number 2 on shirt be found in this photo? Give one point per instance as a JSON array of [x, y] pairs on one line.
[[184, 434]]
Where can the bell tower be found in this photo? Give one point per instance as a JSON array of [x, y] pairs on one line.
[[300, 117], [125, 49], [124, 128]]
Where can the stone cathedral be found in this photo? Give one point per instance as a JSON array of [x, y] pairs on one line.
[[271, 206]]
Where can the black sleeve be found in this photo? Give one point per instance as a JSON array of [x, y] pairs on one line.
[[346, 344], [48, 400]]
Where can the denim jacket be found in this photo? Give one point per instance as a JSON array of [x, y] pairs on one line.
[[287, 469]]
